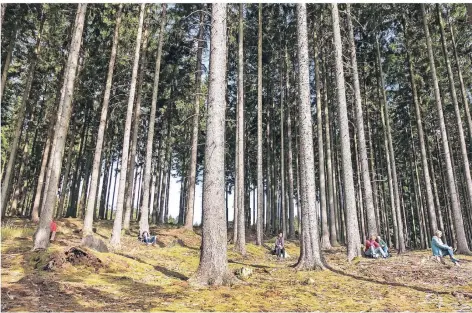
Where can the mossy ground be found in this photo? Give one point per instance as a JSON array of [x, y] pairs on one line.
[[146, 278]]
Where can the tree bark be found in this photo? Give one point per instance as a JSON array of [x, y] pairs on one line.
[[213, 268], [6, 65], [325, 240], [310, 252], [462, 246], [41, 236], [260, 178], [192, 174], [390, 151], [352, 225], [88, 220], [291, 211], [240, 240], [368, 198], [115, 241]]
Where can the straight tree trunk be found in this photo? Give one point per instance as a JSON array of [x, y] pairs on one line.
[[310, 252], [452, 89], [240, 240], [213, 268], [41, 236], [115, 241], [424, 160], [364, 168], [291, 211], [390, 151], [6, 183], [325, 240], [462, 246], [88, 220], [192, 175], [129, 197], [352, 226], [260, 178]]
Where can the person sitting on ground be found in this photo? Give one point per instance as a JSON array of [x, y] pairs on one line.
[[53, 229], [279, 246], [373, 249], [440, 249], [148, 239], [383, 245]]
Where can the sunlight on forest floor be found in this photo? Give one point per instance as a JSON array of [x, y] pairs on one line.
[[147, 278]]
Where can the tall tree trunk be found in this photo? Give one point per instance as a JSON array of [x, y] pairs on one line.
[[452, 89], [352, 226], [333, 236], [213, 268], [390, 151], [260, 178], [310, 252], [41, 237], [424, 160], [462, 246], [192, 175], [291, 212], [240, 240], [115, 241], [129, 203], [6, 183], [325, 240], [88, 220], [364, 168]]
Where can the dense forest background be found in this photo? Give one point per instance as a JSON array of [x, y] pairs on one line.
[[90, 91]]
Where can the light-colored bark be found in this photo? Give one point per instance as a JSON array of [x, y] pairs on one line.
[[291, 210], [310, 252], [352, 225], [325, 242], [88, 220], [131, 186], [462, 246], [240, 240], [6, 65], [41, 237], [260, 178], [115, 241], [213, 268], [192, 174], [364, 161]]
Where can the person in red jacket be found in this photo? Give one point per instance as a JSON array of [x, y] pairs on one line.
[[373, 249], [53, 228]]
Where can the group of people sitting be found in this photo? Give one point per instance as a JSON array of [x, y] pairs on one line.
[[375, 247], [147, 238]]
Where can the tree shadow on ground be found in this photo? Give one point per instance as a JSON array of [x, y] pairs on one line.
[[393, 284], [251, 265], [163, 270]]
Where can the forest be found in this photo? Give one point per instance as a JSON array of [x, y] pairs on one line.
[[325, 123]]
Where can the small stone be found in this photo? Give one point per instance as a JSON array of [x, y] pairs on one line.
[[309, 281]]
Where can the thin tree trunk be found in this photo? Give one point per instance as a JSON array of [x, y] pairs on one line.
[[364, 168], [390, 151], [6, 65], [462, 246], [88, 220], [291, 212], [192, 174], [41, 237], [213, 268], [240, 240], [129, 204], [260, 178], [352, 226], [115, 241]]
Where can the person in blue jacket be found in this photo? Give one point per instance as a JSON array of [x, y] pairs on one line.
[[440, 249]]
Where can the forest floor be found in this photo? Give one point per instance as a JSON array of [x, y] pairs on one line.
[[147, 278]]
